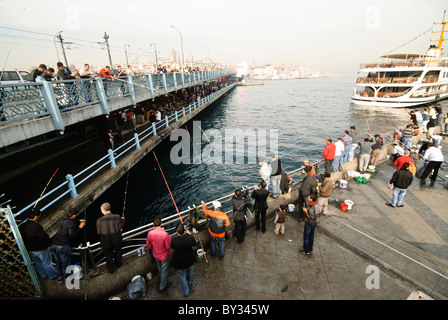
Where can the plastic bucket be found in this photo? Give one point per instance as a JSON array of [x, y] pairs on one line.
[[291, 207], [349, 204], [343, 184], [200, 253], [372, 168], [344, 207]]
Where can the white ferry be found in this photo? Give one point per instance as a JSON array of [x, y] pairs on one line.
[[404, 80]]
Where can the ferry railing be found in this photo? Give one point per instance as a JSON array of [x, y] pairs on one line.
[[92, 255], [74, 182]]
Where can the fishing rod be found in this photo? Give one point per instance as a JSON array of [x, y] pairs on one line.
[[44, 189], [168, 188], [126, 189], [7, 57], [368, 127]]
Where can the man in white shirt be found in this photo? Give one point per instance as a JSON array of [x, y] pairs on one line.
[[435, 158], [419, 118], [337, 154], [437, 140], [265, 172]]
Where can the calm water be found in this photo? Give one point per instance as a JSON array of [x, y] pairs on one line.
[[304, 111]]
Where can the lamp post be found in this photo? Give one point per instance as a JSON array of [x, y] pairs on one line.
[[181, 44], [54, 41], [155, 51], [126, 53]]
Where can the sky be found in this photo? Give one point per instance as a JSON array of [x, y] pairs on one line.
[[328, 36]]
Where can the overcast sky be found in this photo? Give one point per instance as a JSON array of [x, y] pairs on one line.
[[329, 36]]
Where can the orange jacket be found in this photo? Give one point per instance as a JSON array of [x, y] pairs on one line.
[[104, 74], [218, 222]]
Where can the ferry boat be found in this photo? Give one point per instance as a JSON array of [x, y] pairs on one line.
[[404, 80]]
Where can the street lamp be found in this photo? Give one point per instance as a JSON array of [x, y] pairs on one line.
[[54, 41], [181, 44], [126, 53], [155, 51]]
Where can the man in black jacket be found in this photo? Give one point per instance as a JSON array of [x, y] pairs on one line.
[[61, 243], [308, 187], [37, 242], [183, 257], [401, 180], [240, 205], [109, 228], [260, 194]]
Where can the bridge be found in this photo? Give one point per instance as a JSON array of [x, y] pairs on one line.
[[28, 110]]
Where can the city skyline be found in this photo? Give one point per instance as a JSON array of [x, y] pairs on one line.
[[329, 36]]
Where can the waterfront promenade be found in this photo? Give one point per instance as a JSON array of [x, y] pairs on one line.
[[408, 245]]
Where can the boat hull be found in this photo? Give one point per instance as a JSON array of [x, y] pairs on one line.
[[405, 103]]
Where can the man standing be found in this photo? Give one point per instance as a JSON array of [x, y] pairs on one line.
[[347, 141], [260, 194], [109, 228], [69, 89], [408, 133], [328, 154], [265, 172], [240, 205], [37, 242], [276, 174], [183, 257], [159, 241], [401, 180], [435, 158], [311, 212], [61, 243], [309, 186], [325, 192], [425, 118], [217, 227], [338, 154], [354, 136], [364, 154], [376, 149]]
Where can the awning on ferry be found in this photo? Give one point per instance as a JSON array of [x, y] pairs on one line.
[[403, 55]]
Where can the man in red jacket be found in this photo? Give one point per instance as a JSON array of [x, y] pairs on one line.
[[403, 159], [328, 154]]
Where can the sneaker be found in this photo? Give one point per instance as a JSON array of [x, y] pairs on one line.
[[168, 284], [400, 205], [390, 205], [305, 253]]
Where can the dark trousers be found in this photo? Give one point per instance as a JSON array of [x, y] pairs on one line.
[[328, 165], [113, 257], [432, 165], [308, 236], [260, 214], [240, 230]]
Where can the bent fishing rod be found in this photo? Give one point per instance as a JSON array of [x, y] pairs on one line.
[[40, 197]]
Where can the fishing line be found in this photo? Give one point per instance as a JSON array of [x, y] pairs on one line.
[[7, 57], [126, 189], [44, 190], [168, 188], [368, 127]]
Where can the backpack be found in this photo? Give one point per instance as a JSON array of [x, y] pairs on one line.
[[137, 288]]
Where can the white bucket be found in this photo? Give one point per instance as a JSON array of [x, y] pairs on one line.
[[349, 204], [372, 168], [343, 184], [291, 207], [200, 253]]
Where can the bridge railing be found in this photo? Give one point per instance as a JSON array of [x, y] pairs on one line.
[[76, 181], [24, 101]]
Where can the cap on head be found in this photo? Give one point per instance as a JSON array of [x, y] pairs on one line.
[[216, 204]]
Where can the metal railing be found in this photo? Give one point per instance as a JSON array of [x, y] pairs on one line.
[[74, 182], [24, 101]]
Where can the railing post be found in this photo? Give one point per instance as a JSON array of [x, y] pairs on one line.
[[154, 131], [102, 95], [183, 80], [131, 90], [183, 111], [189, 108], [71, 186], [167, 122], [112, 158], [137, 141], [165, 89], [175, 115], [150, 84], [47, 93], [175, 81]]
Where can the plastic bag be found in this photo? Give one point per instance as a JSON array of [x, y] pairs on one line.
[[137, 288]]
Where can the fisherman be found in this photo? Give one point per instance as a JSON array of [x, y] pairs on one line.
[[240, 205], [347, 141], [61, 247], [38, 72], [405, 158], [397, 152], [401, 180], [376, 150], [159, 241], [325, 191], [48, 75], [276, 171], [309, 186], [183, 257], [354, 136], [431, 123], [216, 227], [311, 211], [425, 117], [37, 242], [307, 163], [328, 154], [434, 157], [260, 194], [109, 228], [337, 154], [265, 171], [408, 133], [364, 154], [69, 89]]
